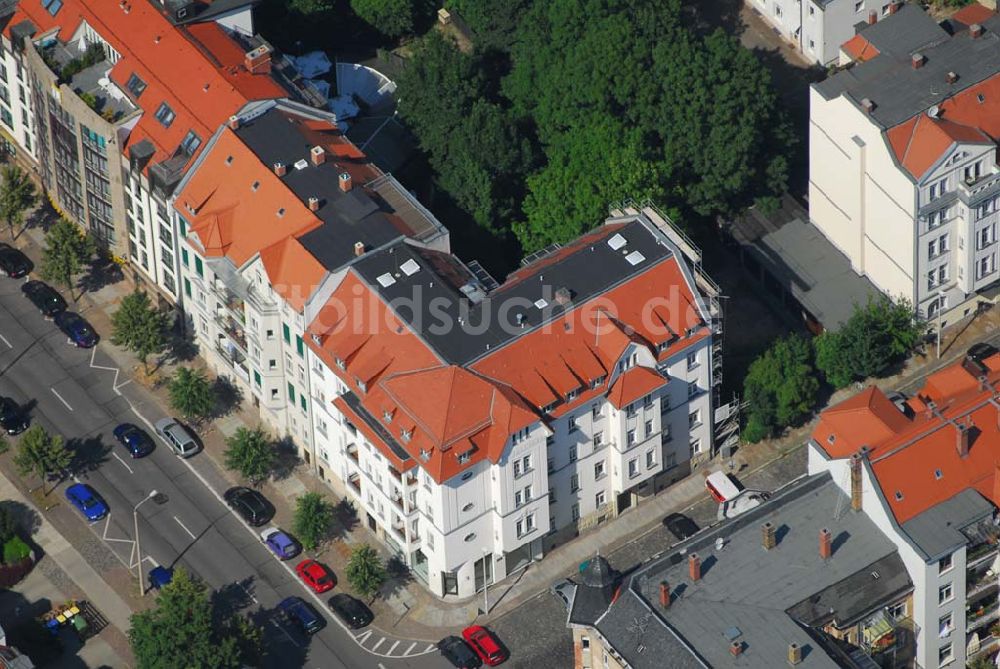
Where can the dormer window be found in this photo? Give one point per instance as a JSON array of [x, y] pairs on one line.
[[340, 363], [549, 408], [425, 455], [406, 435], [387, 416], [464, 457], [598, 382], [190, 143], [165, 115], [572, 395], [362, 386], [135, 85]]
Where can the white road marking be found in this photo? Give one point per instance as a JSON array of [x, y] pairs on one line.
[[361, 638], [124, 464], [380, 642], [429, 648], [381, 666], [5, 341], [410, 648], [61, 398], [190, 533], [392, 647]]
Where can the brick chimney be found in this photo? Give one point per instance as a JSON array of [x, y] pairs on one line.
[[359, 249], [825, 544], [918, 61], [258, 61], [345, 182], [234, 122], [736, 648], [768, 538], [951, 77], [664, 594], [868, 105], [794, 654], [872, 17], [318, 155], [694, 567], [962, 438], [975, 31], [280, 169], [314, 204], [856, 496], [893, 7]]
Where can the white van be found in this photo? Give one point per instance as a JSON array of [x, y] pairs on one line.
[[721, 487]]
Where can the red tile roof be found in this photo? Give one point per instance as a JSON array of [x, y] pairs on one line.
[[859, 48], [917, 455], [919, 142], [973, 13], [634, 384]]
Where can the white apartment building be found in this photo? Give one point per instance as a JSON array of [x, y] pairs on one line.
[[925, 471], [17, 131], [470, 444], [902, 165], [817, 28]]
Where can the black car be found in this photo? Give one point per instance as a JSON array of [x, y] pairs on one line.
[[250, 504], [680, 526], [981, 351], [13, 263], [456, 651], [12, 418], [45, 297], [353, 612]]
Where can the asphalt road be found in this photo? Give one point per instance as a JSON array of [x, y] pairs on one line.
[[74, 393]]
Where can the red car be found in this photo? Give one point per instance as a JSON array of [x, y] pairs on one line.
[[317, 576], [486, 645]]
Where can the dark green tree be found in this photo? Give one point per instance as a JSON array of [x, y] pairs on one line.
[[494, 23], [312, 519], [251, 453], [365, 571], [67, 249], [392, 18], [191, 394], [310, 7], [780, 388], [41, 454], [139, 327], [186, 629], [17, 195]]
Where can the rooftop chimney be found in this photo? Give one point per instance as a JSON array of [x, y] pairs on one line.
[[314, 204], [359, 249], [951, 77], [975, 31], [917, 60], [856, 496], [318, 155], [962, 439], [345, 182], [736, 648], [258, 61], [664, 594], [280, 169], [872, 17], [794, 654], [694, 567], [825, 544], [768, 537], [893, 6], [868, 105], [234, 122]]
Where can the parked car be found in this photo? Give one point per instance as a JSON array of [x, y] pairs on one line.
[[135, 439], [746, 500], [485, 643], [458, 653], [44, 297], [86, 501], [302, 613], [352, 611], [13, 263], [77, 329], [721, 486], [981, 351], [564, 590], [680, 526], [177, 437], [316, 575], [250, 504], [280, 543], [13, 419]]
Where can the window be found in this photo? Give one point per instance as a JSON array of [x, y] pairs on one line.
[[286, 333], [551, 465], [522, 497], [299, 346], [812, 43], [631, 410], [7, 118], [187, 287], [936, 189], [694, 418], [291, 394], [986, 266], [647, 401], [944, 654], [302, 403], [595, 412], [574, 483], [945, 626], [549, 441], [165, 115], [936, 247], [600, 499], [945, 593], [650, 459], [859, 6], [986, 236], [599, 471], [692, 359], [630, 438], [598, 440], [522, 466], [571, 425], [695, 446], [944, 564], [937, 277], [575, 512], [649, 428], [184, 257], [633, 467], [665, 435], [135, 85], [462, 457], [53, 6], [526, 525], [693, 389], [572, 453], [256, 377], [190, 143], [897, 611], [973, 172], [199, 268], [585, 642], [936, 218]]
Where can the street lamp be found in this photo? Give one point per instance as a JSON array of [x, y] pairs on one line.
[[138, 552]]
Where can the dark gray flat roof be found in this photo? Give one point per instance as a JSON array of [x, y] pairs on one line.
[[937, 530], [745, 590], [901, 91]]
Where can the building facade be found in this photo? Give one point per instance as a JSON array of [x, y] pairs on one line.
[[902, 167]]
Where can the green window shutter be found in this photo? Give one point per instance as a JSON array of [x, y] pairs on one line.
[[198, 267], [286, 333], [302, 401], [256, 377], [187, 287], [184, 257], [300, 346], [291, 394], [183, 225]]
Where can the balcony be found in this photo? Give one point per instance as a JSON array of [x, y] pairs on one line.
[[355, 481], [352, 451], [410, 479], [981, 613], [978, 555], [979, 582], [234, 332], [234, 357], [395, 474], [397, 501]]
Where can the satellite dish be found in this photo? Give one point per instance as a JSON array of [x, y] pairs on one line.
[[934, 111]]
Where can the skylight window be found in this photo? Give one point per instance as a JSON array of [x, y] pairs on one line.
[[135, 85], [541, 303], [938, 474], [899, 496], [616, 242], [635, 258], [301, 164], [385, 280], [190, 143], [165, 115], [52, 6], [410, 267]]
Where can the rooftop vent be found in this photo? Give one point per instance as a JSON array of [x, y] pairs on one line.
[[301, 164], [345, 182], [229, 160], [769, 537], [541, 303], [635, 258], [938, 474], [314, 204], [281, 212], [794, 654], [868, 105], [359, 249], [254, 186], [975, 31], [410, 267], [872, 17], [280, 169], [317, 155], [951, 77], [736, 648], [934, 111], [234, 122], [563, 296], [616, 242], [825, 544], [385, 280], [918, 61]]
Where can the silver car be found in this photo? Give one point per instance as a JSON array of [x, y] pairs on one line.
[[177, 437]]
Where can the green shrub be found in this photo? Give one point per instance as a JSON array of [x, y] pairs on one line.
[[15, 550]]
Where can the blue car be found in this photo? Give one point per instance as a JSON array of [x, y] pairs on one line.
[[302, 614], [280, 543], [138, 443], [77, 329], [87, 502]]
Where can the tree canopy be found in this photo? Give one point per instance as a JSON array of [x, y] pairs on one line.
[[186, 629], [191, 393], [67, 249], [41, 454], [392, 18], [365, 571], [17, 195], [780, 388], [251, 453], [139, 326], [312, 519]]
